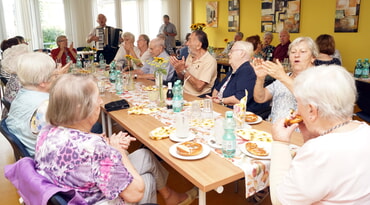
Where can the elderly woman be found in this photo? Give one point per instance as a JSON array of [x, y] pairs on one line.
[[26, 116], [328, 168], [60, 54], [9, 65], [143, 46], [326, 45], [267, 48], [127, 48], [98, 168], [241, 78], [302, 53], [257, 45]]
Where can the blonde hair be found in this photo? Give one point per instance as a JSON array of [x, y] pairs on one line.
[[35, 68], [129, 35], [72, 98], [334, 96]]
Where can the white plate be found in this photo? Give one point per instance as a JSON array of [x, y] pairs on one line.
[[259, 119], [174, 138], [204, 153], [212, 143], [265, 145]]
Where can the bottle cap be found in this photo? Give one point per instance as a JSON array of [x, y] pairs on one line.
[[169, 85], [229, 114]]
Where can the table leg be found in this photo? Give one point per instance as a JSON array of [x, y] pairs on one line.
[[202, 197], [102, 114], [109, 125]]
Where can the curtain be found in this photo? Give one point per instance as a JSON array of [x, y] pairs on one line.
[[79, 18], [2, 23], [28, 21]]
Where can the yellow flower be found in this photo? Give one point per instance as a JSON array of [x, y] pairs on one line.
[[128, 57], [197, 26], [159, 63]]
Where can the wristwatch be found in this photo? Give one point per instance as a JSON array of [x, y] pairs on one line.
[[183, 72], [135, 76]]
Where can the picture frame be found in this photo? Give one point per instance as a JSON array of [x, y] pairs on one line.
[[277, 15], [212, 14], [347, 15], [233, 17]]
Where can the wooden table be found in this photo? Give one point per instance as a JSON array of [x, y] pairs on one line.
[[208, 173]]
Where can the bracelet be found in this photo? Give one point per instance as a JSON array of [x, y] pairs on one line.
[[183, 72]]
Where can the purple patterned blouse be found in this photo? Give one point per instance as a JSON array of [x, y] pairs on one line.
[[81, 161]]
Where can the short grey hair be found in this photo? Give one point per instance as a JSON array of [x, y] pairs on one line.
[[245, 46], [311, 45], [334, 96], [239, 33], [72, 98], [129, 35], [35, 68], [268, 34], [158, 42]]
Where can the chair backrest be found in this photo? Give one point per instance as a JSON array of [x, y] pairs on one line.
[[5, 103], [363, 98], [43, 50], [18, 148], [58, 199]]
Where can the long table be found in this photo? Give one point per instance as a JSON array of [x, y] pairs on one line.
[[208, 173]]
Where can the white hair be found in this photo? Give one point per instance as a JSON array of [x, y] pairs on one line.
[[245, 46], [330, 88], [35, 68], [11, 55], [129, 35]]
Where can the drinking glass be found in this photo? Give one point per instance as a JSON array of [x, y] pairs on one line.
[[195, 110], [101, 86], [207, 111], [182, 124]]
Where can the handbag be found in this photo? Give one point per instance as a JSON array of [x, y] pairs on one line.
[[116, 105]]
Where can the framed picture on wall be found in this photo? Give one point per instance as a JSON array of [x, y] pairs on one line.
[[211, 12], [277, 15], [233, 18], [347, 15]]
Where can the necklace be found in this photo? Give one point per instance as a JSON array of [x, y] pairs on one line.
[[335, 127]]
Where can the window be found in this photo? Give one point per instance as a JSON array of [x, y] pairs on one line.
[[107, 7], [52, 21]]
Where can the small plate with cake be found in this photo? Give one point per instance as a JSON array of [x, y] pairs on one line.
[[189, 150]]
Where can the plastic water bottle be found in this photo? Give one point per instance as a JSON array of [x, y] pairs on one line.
[[365, 69], [101, 61], [177, 100], [119, 83], [79, 61], [112, 72], [169, 96], [358, 69], [68, 59], [229, 139]]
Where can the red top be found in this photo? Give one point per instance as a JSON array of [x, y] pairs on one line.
[[54, 54], [281, 52]]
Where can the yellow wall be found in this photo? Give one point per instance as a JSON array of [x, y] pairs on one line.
[[317, 17]]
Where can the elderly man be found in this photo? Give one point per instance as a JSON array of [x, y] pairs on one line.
[[238, 37], [241, 78], [156, 49], [103, 37], [168, 29], [199, 72], [281, 50]]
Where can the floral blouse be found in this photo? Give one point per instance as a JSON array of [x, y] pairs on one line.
[[82, 161], [282, 101]]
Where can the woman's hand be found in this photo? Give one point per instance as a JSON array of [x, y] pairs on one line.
[[258, 68], [275, 70], [282, 133], [121, 140]]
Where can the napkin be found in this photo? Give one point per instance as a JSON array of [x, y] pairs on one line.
[[117, 105], [239, 111]]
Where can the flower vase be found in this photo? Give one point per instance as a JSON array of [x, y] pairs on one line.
[[130, 82], [159, 82]]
